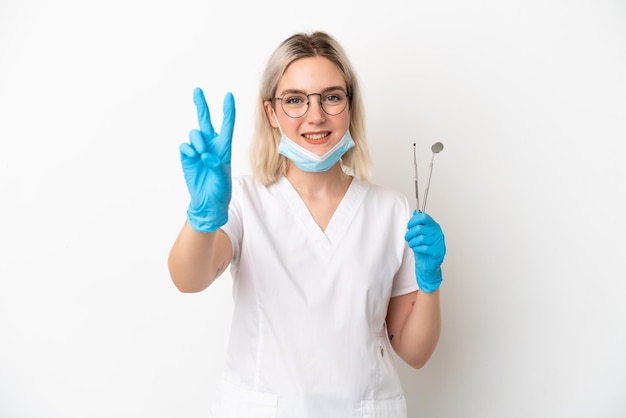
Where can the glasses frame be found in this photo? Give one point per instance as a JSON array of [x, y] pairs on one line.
[[308, 101]]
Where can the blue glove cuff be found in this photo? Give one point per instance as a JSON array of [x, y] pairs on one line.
[[206, 222], [431, 282]]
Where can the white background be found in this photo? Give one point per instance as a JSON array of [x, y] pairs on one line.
[[528, 97]]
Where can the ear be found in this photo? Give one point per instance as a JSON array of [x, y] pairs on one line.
[[271, 116]]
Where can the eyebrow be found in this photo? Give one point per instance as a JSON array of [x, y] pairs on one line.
[[327, 89]]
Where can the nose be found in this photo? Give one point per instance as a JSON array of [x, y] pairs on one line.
[[315, 111]]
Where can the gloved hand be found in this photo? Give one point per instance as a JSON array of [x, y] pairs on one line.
[[425, 238], [206, 166]]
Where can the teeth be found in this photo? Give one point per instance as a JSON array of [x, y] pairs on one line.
[[315, 137]]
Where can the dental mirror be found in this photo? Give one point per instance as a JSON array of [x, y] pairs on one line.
[[436, 149]]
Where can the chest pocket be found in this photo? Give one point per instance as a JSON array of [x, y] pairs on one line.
[[233, 401], [387, 408]]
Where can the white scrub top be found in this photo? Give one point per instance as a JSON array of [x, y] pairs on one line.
[[308, 336]]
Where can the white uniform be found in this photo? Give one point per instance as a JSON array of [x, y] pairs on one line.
[[308, 336]]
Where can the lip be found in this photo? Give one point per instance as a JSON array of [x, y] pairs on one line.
[[317, 137]]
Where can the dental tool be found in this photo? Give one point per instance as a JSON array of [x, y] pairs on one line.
[[436, 149]]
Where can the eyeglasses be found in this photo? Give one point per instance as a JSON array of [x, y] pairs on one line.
[[296, 104]]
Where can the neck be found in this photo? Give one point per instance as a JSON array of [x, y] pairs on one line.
[[331, 182]]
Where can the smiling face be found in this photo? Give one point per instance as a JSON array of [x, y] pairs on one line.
[[316, 131]]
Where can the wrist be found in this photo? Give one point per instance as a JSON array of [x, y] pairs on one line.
[[428, 282], [203, 221]]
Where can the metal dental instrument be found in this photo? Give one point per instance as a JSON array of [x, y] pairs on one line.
[[417, 195], [436, 149]]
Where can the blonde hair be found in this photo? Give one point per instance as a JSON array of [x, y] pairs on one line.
[[266, 163]]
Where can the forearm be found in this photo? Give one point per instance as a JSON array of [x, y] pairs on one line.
[[421, 330], [190, 260]]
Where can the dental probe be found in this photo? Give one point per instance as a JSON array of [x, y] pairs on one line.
[[417, 195]]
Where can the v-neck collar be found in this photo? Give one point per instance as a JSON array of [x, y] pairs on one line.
[[328, 239]]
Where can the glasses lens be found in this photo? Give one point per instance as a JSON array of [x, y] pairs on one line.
[[334, 102], [295, 104]]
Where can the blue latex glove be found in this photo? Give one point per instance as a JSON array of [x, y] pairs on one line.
[[425, 238], [206, 166]]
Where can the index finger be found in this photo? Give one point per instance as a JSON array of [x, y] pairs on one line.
[[204, 117], [228, 123], [419, 218]]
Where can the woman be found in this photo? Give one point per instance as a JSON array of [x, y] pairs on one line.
[[327, 277]]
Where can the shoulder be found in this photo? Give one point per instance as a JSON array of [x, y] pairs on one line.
[[386, 191], [385, 196], [246, 182], [241, 180], [248, 188]]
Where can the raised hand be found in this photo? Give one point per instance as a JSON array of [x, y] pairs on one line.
[[206, 166]]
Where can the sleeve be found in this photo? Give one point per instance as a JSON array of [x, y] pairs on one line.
[[234, 226], [404, 281]]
